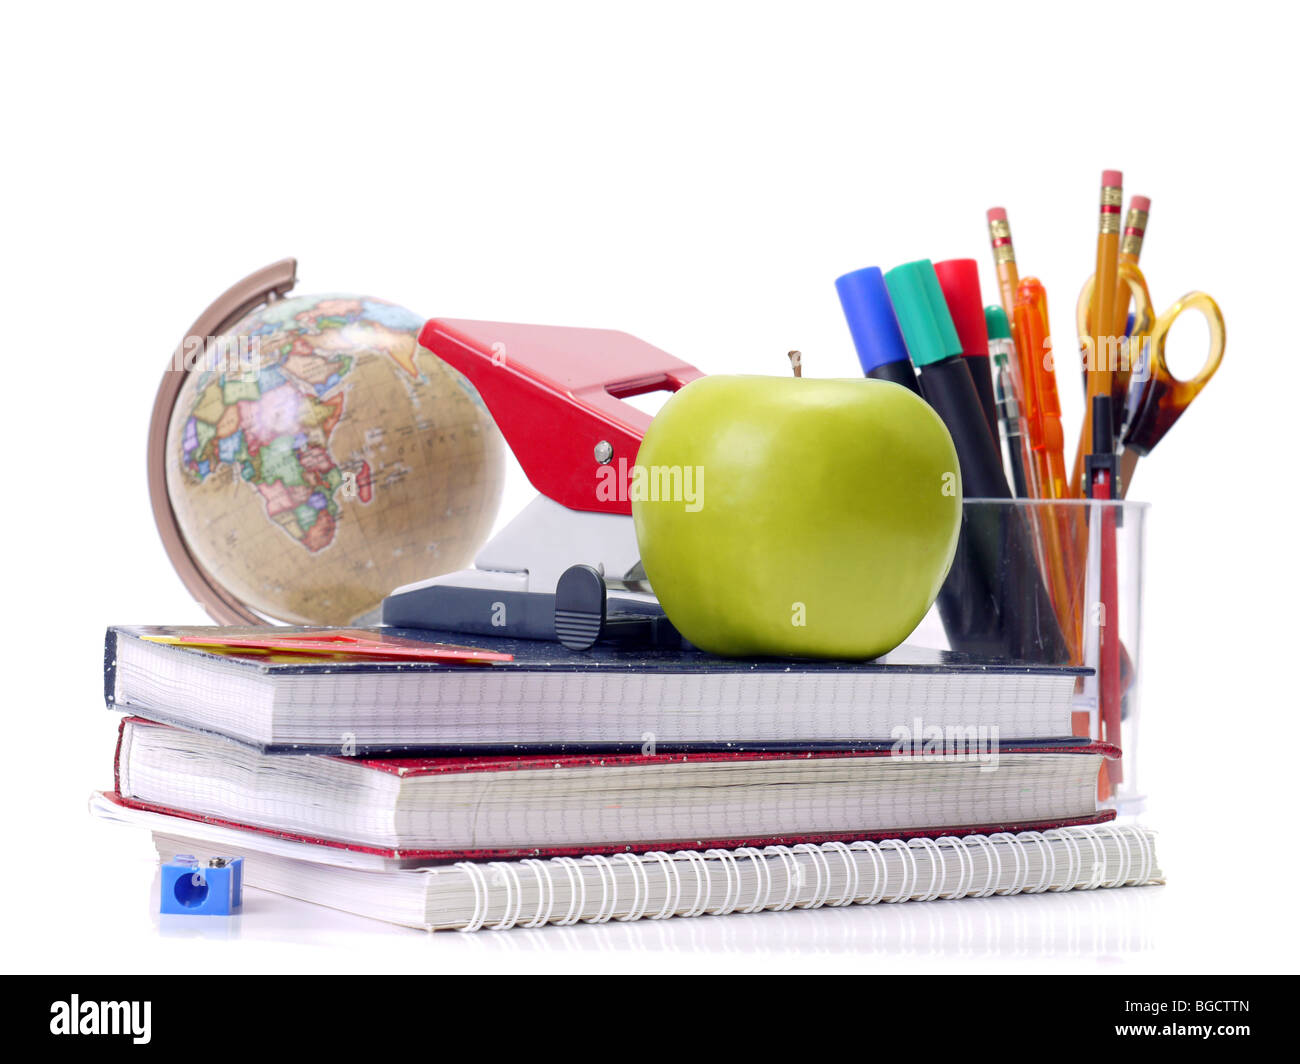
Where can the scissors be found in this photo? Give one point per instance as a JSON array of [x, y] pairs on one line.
[[1148, 397]]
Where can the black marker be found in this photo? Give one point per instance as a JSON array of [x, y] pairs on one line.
[[1021, 610], [964, 598]]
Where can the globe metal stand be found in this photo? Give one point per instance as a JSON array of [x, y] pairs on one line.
[[264, 286]]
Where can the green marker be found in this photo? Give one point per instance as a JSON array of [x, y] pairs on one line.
[[1020, 616], [946, 382]]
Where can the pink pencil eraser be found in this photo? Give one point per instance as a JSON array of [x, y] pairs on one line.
[[997, 214], [1112, 178], [1140, 203]]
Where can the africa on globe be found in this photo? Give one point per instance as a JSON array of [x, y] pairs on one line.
[[340, 461]]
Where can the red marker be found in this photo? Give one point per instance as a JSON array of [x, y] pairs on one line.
[[960, 281]]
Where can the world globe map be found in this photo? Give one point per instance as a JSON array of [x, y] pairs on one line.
[[332, 461]]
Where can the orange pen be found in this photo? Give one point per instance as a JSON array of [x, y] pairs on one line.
[[1047, 443], [1101, 313], [1047, 437]]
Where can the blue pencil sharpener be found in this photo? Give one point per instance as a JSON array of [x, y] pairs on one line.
[[191, 887]]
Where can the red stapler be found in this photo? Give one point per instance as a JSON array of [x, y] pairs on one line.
[[567, 567]]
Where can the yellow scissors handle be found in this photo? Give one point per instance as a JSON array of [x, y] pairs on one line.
[[1164, 396], [1209, 309], [1124, 358], [1143, 315]]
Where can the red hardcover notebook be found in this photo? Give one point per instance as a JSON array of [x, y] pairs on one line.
[[456, 808]]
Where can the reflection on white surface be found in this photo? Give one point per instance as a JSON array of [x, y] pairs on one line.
[[1092, 924], [1097, 925], [208, 928]]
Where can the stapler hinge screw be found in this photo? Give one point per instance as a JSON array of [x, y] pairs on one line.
[[604, 452]]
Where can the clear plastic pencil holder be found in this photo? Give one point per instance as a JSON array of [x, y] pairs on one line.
[[1056, 582]]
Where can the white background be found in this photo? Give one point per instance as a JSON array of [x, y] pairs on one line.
[[697, 175]]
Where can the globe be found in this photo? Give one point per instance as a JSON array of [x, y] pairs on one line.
[[318, 457]]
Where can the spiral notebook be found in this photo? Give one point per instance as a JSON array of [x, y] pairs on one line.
[[498, 895]]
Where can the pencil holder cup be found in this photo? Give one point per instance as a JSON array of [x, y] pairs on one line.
[[1056, 582]]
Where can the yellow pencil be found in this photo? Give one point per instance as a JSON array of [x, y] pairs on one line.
[[1004, 259], [1130, 250], [1105, 295]]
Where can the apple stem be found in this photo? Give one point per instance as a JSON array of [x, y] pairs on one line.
[[796, 362]]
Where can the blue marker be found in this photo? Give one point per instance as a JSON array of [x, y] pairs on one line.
[[874, 328]]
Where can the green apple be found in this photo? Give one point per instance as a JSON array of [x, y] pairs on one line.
[[796, 517]]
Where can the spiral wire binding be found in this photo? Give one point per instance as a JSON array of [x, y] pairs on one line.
[[673, 895], [823, 884], [509, 876], [603, 866], [545, 892], [762, 876], [967, 863], [1075, 866], [850, 873], [1079, 862], [703, 881], [730, 899], [1044, 847], [938, 867], [640, 888], [579, 896]]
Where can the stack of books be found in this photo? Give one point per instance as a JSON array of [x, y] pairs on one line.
[[522, 784]]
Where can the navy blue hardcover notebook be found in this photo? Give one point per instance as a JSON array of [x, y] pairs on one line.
[[550, 699]]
